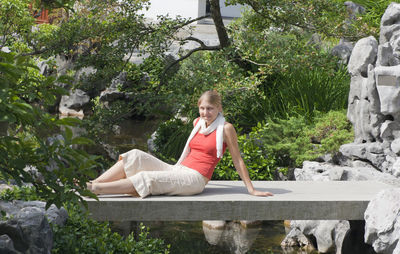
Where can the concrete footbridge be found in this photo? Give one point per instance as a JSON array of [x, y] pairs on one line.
[[229, 200]]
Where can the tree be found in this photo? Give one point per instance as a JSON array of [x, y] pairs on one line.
[[27, 154]]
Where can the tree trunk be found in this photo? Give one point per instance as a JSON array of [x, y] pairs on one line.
[[223, 37], [219, 24]]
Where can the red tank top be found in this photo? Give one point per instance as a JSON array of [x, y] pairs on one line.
[[203, 154]]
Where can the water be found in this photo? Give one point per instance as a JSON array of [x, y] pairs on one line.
[[194, 237]]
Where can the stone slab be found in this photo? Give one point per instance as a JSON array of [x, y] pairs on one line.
[[229, 200]]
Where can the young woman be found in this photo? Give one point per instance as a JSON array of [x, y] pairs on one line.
[[141, 174]]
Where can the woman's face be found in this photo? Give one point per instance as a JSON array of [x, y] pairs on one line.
[[208, 111]]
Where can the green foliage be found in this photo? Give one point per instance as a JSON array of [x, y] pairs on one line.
[[258, 164], [305, 91], [171, 138], [15, 18], [24, 193], [294, 140], [315, 16], [83, 235], [26, 145], [369, 22]]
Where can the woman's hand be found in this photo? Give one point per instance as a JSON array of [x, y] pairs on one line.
[[260, 193]]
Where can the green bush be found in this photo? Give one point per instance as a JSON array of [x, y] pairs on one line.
[[28, 139], [171, 138], [83, 235], [257, 162], [19, 193], [294, 140]]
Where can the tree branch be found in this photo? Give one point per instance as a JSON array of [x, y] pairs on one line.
[[189, 54], [190, 38], [194, 20]]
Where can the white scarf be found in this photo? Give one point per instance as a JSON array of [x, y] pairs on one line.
[[218, 124]]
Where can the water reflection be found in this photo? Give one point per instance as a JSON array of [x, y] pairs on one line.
[[194, 237], [233, 235]]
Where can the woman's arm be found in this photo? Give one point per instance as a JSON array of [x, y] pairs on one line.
[[230, 138]]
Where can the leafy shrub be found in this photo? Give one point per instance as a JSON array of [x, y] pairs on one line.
[[257, 162], [19, 193], [294, 140], [83, 235], [25, 143], [171, 138]]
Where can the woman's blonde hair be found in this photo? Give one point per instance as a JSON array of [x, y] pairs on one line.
[[212, 97]]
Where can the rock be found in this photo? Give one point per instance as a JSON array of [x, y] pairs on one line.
[[84, 72], [111, 94], [336, 174], [328, 234], [233, 236], [74, 104], [116, 129], [295, 238], [28, 229], [387, 78], [364, 107], [315, 40], [56, 216], [395, 170], [343, 51], [362, 151], [389, 23], [53, 214], [395, 146], [120, 81], [13, 231], [43, 67], [316, 171], [214, 224], [249, 223], [5, 49], [353, 9], [382, 222], [151, 146], [312, 171], [36, 229], [385, 56], [364, 53], [7, 245], [4, 186], [63, 64]]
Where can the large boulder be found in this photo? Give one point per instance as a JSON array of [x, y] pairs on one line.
[[390, 23], [325, 235], [382, 222], [36, 230], [364, 53], [28, 229]]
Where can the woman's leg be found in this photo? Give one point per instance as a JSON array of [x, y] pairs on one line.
[[122, 186], [116, 172]]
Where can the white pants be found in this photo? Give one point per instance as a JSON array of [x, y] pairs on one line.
[[151, 176]]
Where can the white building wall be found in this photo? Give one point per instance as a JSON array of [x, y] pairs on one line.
[[187, 8], [183, 8], [232, 11]]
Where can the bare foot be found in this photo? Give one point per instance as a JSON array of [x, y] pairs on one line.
[[91, 186]]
